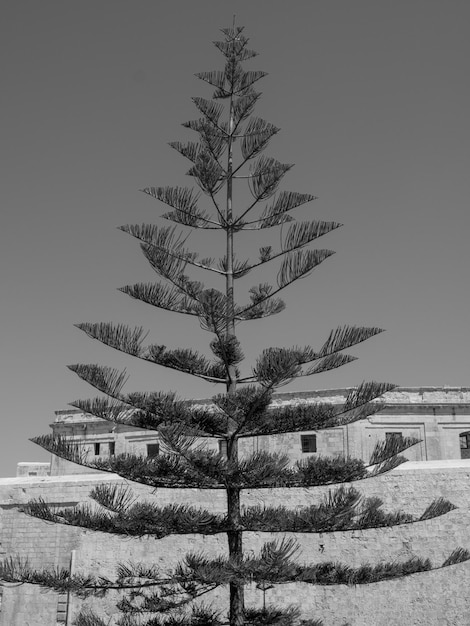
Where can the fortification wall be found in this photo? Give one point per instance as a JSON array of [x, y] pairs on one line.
[[433, 599]]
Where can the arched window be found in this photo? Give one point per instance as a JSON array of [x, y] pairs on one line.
[[465, 445]]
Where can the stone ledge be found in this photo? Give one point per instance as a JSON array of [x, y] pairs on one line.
[[442, 464], [409, 466], [66, 478]]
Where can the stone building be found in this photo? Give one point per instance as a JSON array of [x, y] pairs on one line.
[[438, 416], [438, 467]]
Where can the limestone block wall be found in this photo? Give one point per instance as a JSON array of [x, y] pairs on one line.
[[431, 599], [31, 468], [44, 546]]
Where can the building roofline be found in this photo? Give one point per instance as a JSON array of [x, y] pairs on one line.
[[23, 463], [321, 392], [393, 400]]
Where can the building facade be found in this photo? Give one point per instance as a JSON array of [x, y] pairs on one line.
[[438, 416]]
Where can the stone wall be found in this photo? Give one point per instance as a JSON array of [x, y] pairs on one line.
[[433, 599], [32, 468]]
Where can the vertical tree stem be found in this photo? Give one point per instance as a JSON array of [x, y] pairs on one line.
[[234, 534]]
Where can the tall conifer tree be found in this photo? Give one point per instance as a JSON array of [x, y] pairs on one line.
[[229, 152]]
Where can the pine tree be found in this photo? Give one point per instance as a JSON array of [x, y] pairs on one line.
[[229, 153]]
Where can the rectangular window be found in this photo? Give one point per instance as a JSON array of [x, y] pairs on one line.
[[153, 449], [223, 447], [32, 473], [308, 443], [112, 448], [393, 437], [97, 449], [465, 441]]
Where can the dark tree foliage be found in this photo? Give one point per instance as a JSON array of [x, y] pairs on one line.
[[229, 152]]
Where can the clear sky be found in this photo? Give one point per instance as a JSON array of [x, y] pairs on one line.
[[373, 99]]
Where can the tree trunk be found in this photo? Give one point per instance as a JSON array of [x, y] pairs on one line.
[[234, 534], [235, 546]]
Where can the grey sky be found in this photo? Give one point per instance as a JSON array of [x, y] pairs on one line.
[[373, 100]]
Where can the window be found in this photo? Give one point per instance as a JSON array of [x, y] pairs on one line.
[[223, 447], [464, 441], [308, 443], [153, 449], [464, 445], [32, 473], [100, 448], [395, 437]]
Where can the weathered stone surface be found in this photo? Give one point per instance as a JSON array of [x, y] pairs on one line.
[[31, 468], [431, 599]]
